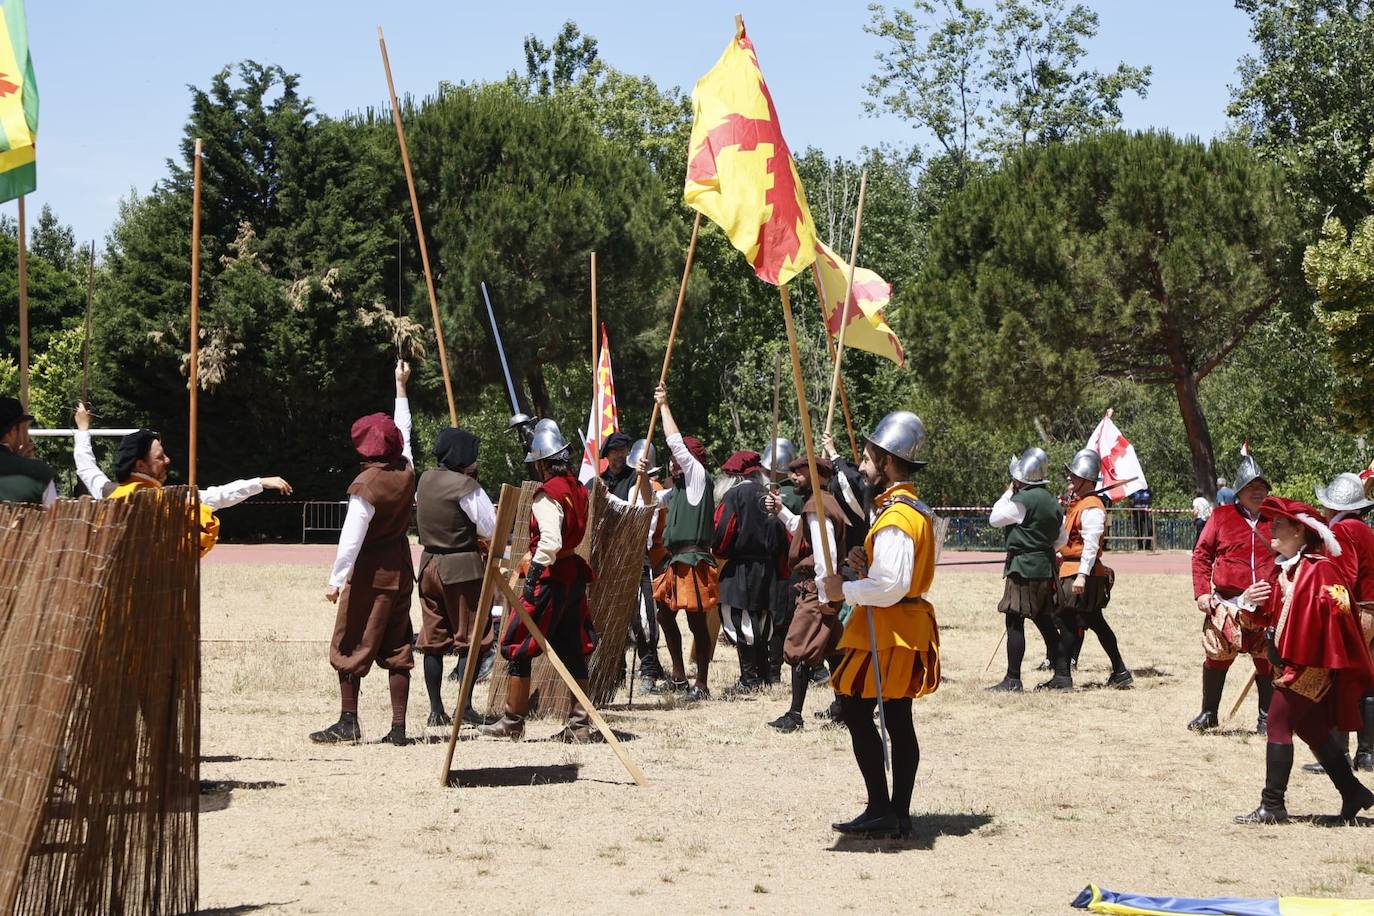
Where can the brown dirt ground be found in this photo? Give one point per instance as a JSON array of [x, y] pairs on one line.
[[1020, 800]]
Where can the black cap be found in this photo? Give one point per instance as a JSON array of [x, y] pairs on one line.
[[132, 448], [12, 412], [616, 440]]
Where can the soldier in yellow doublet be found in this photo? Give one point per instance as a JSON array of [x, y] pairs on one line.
[[892, 622]]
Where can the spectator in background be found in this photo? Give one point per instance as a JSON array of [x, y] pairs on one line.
[[1202, 510], [1225, 495], [1140, 502]]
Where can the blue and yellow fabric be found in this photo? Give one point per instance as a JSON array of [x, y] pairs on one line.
[[1100, 900]]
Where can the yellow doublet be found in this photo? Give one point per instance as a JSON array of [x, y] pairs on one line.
[[209, 523], [907, 635]]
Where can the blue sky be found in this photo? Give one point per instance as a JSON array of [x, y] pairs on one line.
[[113, 76]]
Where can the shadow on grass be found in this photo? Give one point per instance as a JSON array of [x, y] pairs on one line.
[[241, 908], [506, 777], [925, 830], [1330, 820], [216, 794]]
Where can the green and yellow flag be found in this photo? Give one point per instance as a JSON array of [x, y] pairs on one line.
[[18, 104]]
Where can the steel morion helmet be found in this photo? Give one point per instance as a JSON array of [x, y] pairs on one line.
[[786, 454], [1249, 471], [638, 450], [1029, 469], [1085, 464], [547, 442], [900, 433], [1344, 494]]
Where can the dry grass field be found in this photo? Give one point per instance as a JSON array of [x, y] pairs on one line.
[[1021, 800]]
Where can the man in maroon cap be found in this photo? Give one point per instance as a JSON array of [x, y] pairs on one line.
[[748, 539], [372, 578]]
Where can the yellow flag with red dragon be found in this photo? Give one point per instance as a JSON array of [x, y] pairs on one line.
[[740, 173]]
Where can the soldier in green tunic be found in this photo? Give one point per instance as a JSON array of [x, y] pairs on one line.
[[23, 479], [1031, 517]]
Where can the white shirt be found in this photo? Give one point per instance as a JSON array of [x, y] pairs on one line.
[[1005, 512], [100, 486], [360, 511], [549, 514], [889, 575], [692, 470], [477, 507], [1094, 523], [824, 565]]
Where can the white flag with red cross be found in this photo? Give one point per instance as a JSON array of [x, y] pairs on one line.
[[604, 420], [1119, 460]]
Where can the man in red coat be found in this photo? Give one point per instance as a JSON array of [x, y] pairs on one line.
[[1231, 554], [1321, 661], [1345, 502], [555, 594]]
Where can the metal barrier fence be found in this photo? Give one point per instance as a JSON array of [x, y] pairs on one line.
[[1128, 529], [322, 516]]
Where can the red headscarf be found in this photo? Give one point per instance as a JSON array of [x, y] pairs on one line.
[[696, 448], [376, 438]]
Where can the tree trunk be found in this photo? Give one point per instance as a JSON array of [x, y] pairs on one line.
[[539, 392], [1199, 438]]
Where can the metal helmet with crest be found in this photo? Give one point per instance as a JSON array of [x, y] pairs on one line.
[[785, 451], [1346, 493], [546, 442], [1249, 470]]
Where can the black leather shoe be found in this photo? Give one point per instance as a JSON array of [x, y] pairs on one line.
[[904, 826], [438, 719], [1008, 685], [344, 731], [1058, 682], [1264, 815], [1316, 768], [1262, 724], [788, 722], [473, 717], [1204, 721], [884, 825], [396, 736], [1121, 680], [697, 694], [671, 686]]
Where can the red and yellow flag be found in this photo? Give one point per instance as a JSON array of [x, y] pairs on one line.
[[604, 419], [740, 173], [868, 328]]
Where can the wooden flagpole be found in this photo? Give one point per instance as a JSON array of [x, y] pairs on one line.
[[23, 311], [591, 445], [643, 481], [194, 370], [86, 340], [807, 438], [830, 348], [777, 398], [848, 294], [420, 233]]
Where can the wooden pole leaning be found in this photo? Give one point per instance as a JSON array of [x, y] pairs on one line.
[[420, 233], [86, 338], [807, 438], [193, 371], [642, 482], [596, 337], [848, 294], [777, 398], [830, 348], [1245, 692], [23, 311], [506, 505], [513, 600]]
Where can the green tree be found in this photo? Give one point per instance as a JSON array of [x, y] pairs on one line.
[[1304, 100], [1133, 256], [989, 82], [1340, 267]]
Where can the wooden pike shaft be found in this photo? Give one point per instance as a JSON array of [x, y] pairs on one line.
[[1245, 692], [23, 311], [643, 481], [194, 370], [848, 294], [420, 233], [777, 397], [830, 348], [807, 438]]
